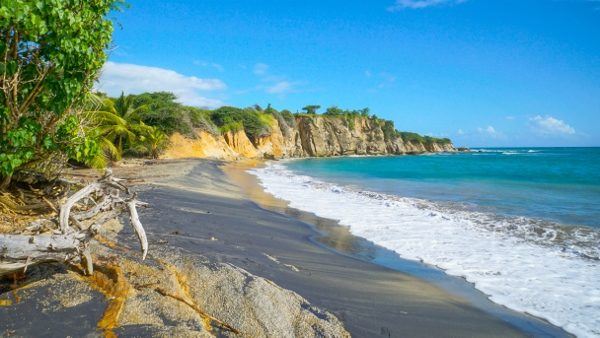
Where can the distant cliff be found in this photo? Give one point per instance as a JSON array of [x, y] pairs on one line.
[[307, 136]]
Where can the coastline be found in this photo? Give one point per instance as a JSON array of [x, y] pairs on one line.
[[210, 217], [332, 236]]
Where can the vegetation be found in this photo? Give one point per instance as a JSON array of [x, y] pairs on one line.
[[416, 138], [311, 109], [50, 54], [254, 122], [162, 112]]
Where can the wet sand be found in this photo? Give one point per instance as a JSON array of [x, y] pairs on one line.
[[205, 213], [217, 211]]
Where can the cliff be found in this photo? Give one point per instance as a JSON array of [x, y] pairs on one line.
[[306, 136]]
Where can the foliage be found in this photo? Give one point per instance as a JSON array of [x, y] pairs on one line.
[[151, 140], [288, 117], [161, 110], [127, 130], [311, 109], [254, 123], [114, 129], [389, 131], [416, 138], [118, 129], [51, 52], [200, 119]]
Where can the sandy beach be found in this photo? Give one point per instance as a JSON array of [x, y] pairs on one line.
[[216, 212]]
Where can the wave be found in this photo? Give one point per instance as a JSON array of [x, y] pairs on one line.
[[542, 268], [504, 151]]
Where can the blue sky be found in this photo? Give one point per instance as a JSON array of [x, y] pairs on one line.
[[484, 73]]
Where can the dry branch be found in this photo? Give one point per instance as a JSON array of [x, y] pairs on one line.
[[69, 244]]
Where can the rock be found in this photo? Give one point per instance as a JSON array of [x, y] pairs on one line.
[[171, 294], [317, 136]]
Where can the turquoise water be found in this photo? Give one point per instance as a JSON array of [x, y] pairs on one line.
[[521, 224], [555, 184]]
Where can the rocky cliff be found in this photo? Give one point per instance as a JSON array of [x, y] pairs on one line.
[[306, 136]]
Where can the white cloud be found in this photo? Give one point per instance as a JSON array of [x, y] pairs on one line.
[[548, 125], [271, 83], [418, 4], [280, 87], [489, 131], [135, 79], [510, 117], [261, 69], [214, 65], [460, 132]]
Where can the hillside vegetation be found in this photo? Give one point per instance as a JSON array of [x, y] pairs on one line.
[[164, 115]]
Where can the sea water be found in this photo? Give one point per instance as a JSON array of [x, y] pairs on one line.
[[521, 224]]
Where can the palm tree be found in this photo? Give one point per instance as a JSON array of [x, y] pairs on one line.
[[152, 140], [114, 130], [124, 107], [111, 122]]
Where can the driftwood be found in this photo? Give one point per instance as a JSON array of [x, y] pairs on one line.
[[67, 238]]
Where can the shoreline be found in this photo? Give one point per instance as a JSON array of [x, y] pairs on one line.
[[203, 222], [332, 236]]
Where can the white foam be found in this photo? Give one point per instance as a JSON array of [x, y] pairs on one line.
[[544, 280]]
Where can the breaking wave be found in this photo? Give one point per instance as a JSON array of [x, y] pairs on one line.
[[542, 268]]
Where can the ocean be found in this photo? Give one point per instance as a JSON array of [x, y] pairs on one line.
[[521, 224]]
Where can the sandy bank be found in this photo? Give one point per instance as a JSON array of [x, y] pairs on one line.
[[220, 247]]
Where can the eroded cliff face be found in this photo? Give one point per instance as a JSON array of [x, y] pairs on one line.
[[311, 136]]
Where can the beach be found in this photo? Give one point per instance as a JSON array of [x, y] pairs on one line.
[[216, 212]]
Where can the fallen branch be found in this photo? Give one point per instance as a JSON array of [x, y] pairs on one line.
[[69, 244]]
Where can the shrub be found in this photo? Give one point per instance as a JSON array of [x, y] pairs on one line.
[[254, 123], [51, 53]]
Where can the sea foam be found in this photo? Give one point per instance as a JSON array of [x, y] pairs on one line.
[[516, 262]]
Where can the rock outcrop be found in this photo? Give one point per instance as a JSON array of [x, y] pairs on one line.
[[174, 295], [309, 136]]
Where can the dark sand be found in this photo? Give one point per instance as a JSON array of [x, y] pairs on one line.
[[228, 218], [205, 213]]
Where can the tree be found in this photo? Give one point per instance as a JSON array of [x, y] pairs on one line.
[[125, 107], [311, 109], [113, 129], [50, 54], [333, 110], [270, 110], [151, 139], [161, 110]]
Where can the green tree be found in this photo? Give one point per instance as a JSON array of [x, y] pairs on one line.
[[112, 128], [50, 54], [334, 111], [125, 107], [311, 109], [151, 140], [161, 110], [233, 119]]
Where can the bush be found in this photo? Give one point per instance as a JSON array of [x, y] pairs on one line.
[[200, 119], [289, 118], [389, 131], [52, 52], [160, 110], [254, 123]]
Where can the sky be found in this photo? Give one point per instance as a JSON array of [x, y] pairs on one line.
[[481, 72]]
